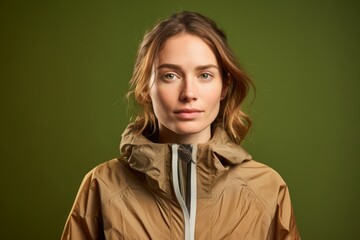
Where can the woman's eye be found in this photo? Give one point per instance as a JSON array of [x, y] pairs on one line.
[[205, 76], [169, 76]]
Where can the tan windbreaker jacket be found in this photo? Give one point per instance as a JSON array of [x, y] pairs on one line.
[[170, 191]]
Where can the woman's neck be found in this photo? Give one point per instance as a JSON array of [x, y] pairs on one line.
[[167, 136]]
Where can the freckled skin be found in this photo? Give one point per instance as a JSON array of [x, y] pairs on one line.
[[186, 90]]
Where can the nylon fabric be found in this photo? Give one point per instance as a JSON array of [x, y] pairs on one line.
[[132, 197]]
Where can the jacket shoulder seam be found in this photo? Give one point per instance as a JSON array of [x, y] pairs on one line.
[[99, 178], [250, 187]]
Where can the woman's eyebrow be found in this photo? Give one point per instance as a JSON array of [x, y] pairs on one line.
[[203, 67], [168, 65], [177, 67]]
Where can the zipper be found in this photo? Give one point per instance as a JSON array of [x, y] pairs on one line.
[[188, 210]]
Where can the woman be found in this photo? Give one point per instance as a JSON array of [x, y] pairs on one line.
[[182, 173]]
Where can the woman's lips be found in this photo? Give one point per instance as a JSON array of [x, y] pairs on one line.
[[188, 114]]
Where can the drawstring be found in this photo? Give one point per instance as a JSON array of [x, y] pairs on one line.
[[186, 196]]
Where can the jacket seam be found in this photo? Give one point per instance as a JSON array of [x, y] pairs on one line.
[[254, 192], [115, 193]]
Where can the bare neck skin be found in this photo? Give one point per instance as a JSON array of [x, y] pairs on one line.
[[168, 136]]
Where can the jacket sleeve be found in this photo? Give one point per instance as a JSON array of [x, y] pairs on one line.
[[285, 224], [84, 221]]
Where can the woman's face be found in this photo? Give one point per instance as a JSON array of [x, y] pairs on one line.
[[185, 89]]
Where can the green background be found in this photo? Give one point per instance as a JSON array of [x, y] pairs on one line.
[[64, 72]]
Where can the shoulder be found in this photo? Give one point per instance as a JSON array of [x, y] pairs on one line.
[[109, 178], [264, 182], [254, 171], [107, 169]]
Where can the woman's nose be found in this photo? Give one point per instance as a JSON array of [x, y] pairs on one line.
[[188, 91]]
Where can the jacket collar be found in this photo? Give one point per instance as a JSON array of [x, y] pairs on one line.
[[154, 160]]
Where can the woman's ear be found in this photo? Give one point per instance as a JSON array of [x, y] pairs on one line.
[[223, 92], [225, 87]]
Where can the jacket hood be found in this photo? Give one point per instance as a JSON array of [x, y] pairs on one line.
[[154, 159]]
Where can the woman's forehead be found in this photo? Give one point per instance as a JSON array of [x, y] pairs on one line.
[[185, 49]]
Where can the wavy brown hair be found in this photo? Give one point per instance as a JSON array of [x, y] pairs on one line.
[[231, 118]]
